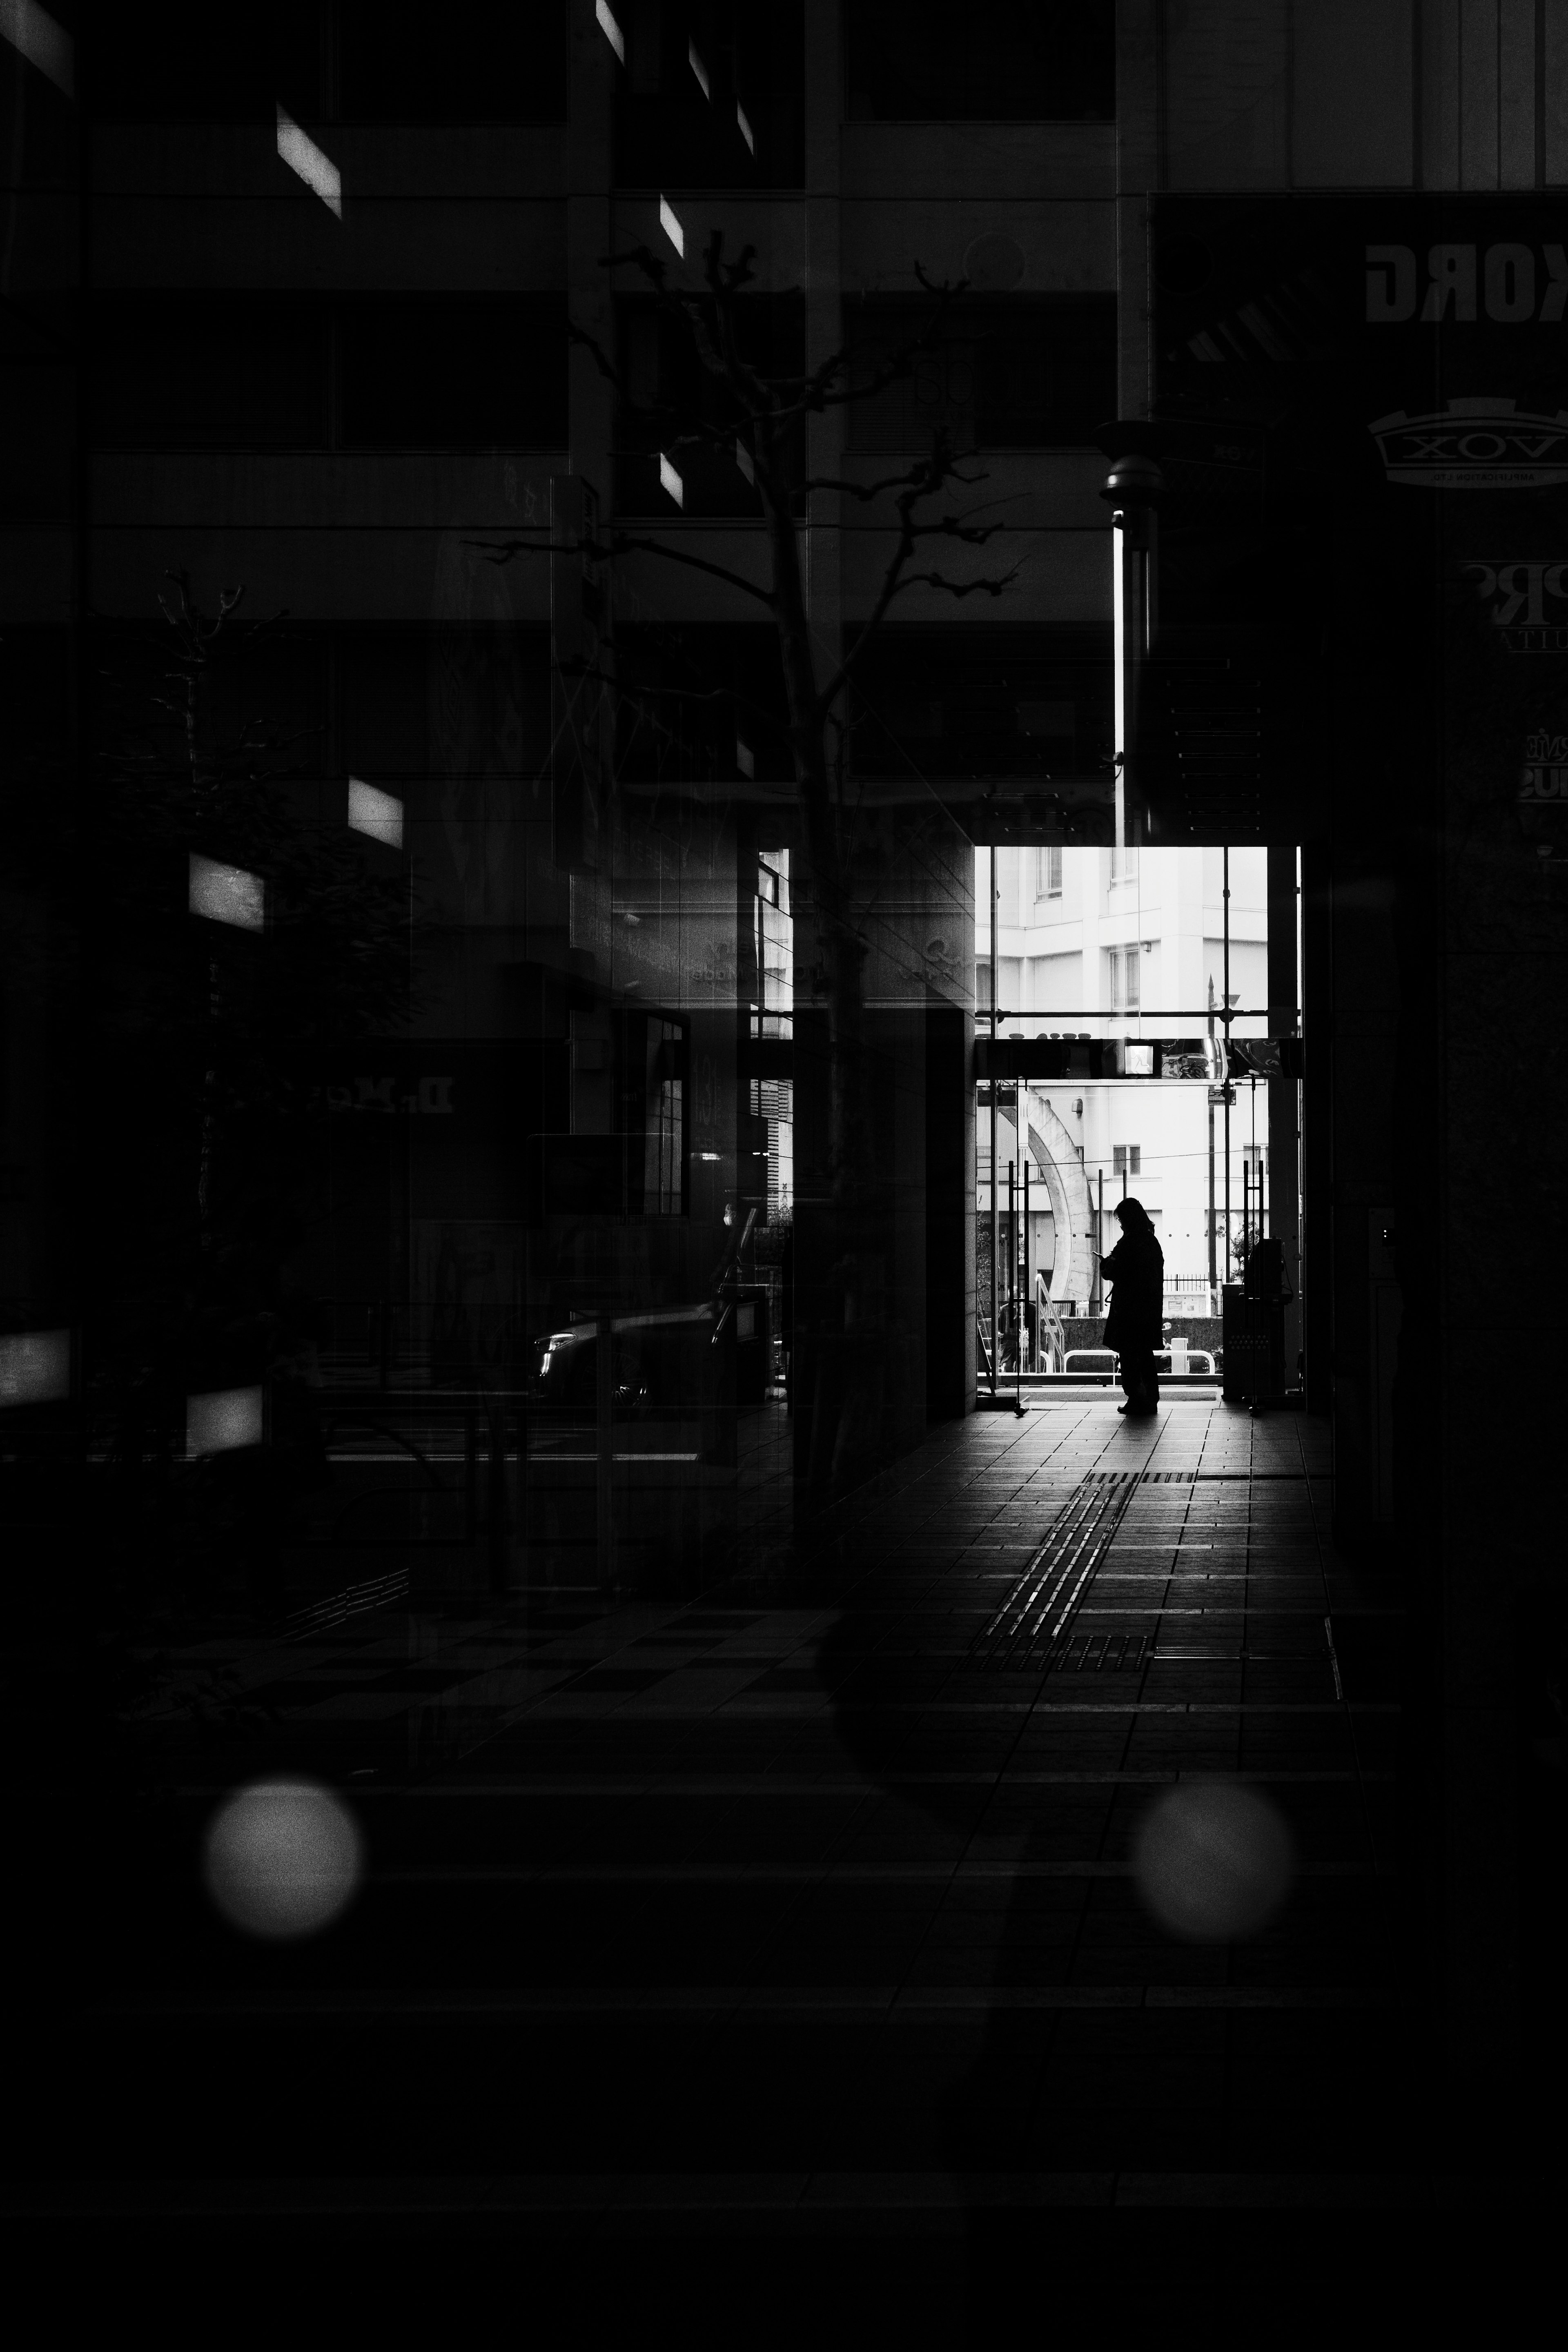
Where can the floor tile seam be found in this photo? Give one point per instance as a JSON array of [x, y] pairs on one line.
[[742, 1707], [807, 1875], [602, 2196], [719, 1786], [734, 2003]]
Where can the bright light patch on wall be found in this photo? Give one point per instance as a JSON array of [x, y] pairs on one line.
[[223, 1419], [303, 155], [34, 1367], [33, 35], [610, 29], [670, 480], [744, 459], [671, 224], [228, 893], [747, 133], [377, 814], [700, 69], [1139, 1061], [743, 760]]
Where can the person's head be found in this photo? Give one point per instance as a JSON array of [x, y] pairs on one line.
[[1134, 1217]]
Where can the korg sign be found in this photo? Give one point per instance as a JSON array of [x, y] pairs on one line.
[[1505, 278]]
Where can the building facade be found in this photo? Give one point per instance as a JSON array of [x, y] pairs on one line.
[[521, 974], [1136, 945]]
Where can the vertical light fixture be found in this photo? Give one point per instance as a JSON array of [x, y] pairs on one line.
[[995, 1221], [1131, 491]]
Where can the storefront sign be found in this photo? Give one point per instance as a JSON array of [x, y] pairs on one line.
[[1515, 285], [1484, 444], [1544, 776], [1526, 601], [433, 1096]]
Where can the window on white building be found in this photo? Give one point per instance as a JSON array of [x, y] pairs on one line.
[[1126, 1159], [1126, 978], [1124, 863], [1049, 871]]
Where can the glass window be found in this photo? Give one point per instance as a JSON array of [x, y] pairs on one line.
[[774, 947], [664, 1142], [1049, 871], [185, 60], [455, 371], [470, 61], [738, 123], [209, 371], [666, 385], [1126, 978], [995, 61], [1016, 372]]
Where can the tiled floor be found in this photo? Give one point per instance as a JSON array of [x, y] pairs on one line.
[[802, 1899]]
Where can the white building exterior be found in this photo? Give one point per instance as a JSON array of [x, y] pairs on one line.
[[1100, 943]]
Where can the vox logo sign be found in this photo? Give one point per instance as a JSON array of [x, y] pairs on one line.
[[1474, 445], [1513, 284]]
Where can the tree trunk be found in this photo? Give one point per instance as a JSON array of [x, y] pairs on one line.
[[847, 1408]]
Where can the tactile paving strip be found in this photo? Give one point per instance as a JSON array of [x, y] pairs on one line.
[[1034, 1618]]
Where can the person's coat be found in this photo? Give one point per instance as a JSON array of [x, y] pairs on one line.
[[1136, 1269]]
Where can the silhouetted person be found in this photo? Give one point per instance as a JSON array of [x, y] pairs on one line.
[[1134, 1326], [1263, 1274]]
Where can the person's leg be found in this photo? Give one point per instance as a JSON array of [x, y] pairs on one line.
[[1138, 1377]]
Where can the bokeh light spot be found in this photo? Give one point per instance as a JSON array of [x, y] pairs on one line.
[[1214, 1861], [283, 1859]]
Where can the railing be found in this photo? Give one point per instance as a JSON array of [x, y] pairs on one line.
[[1101, 1363]]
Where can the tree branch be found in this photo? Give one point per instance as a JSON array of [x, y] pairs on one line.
[[621, 544], [984, 586]]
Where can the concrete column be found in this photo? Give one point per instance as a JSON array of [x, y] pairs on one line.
[[594, 69], [1137, 173], [1284, 1020], [1316, 1241], [824, 314]]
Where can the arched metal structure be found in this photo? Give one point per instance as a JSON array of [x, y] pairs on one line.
[[1056, 1154]]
